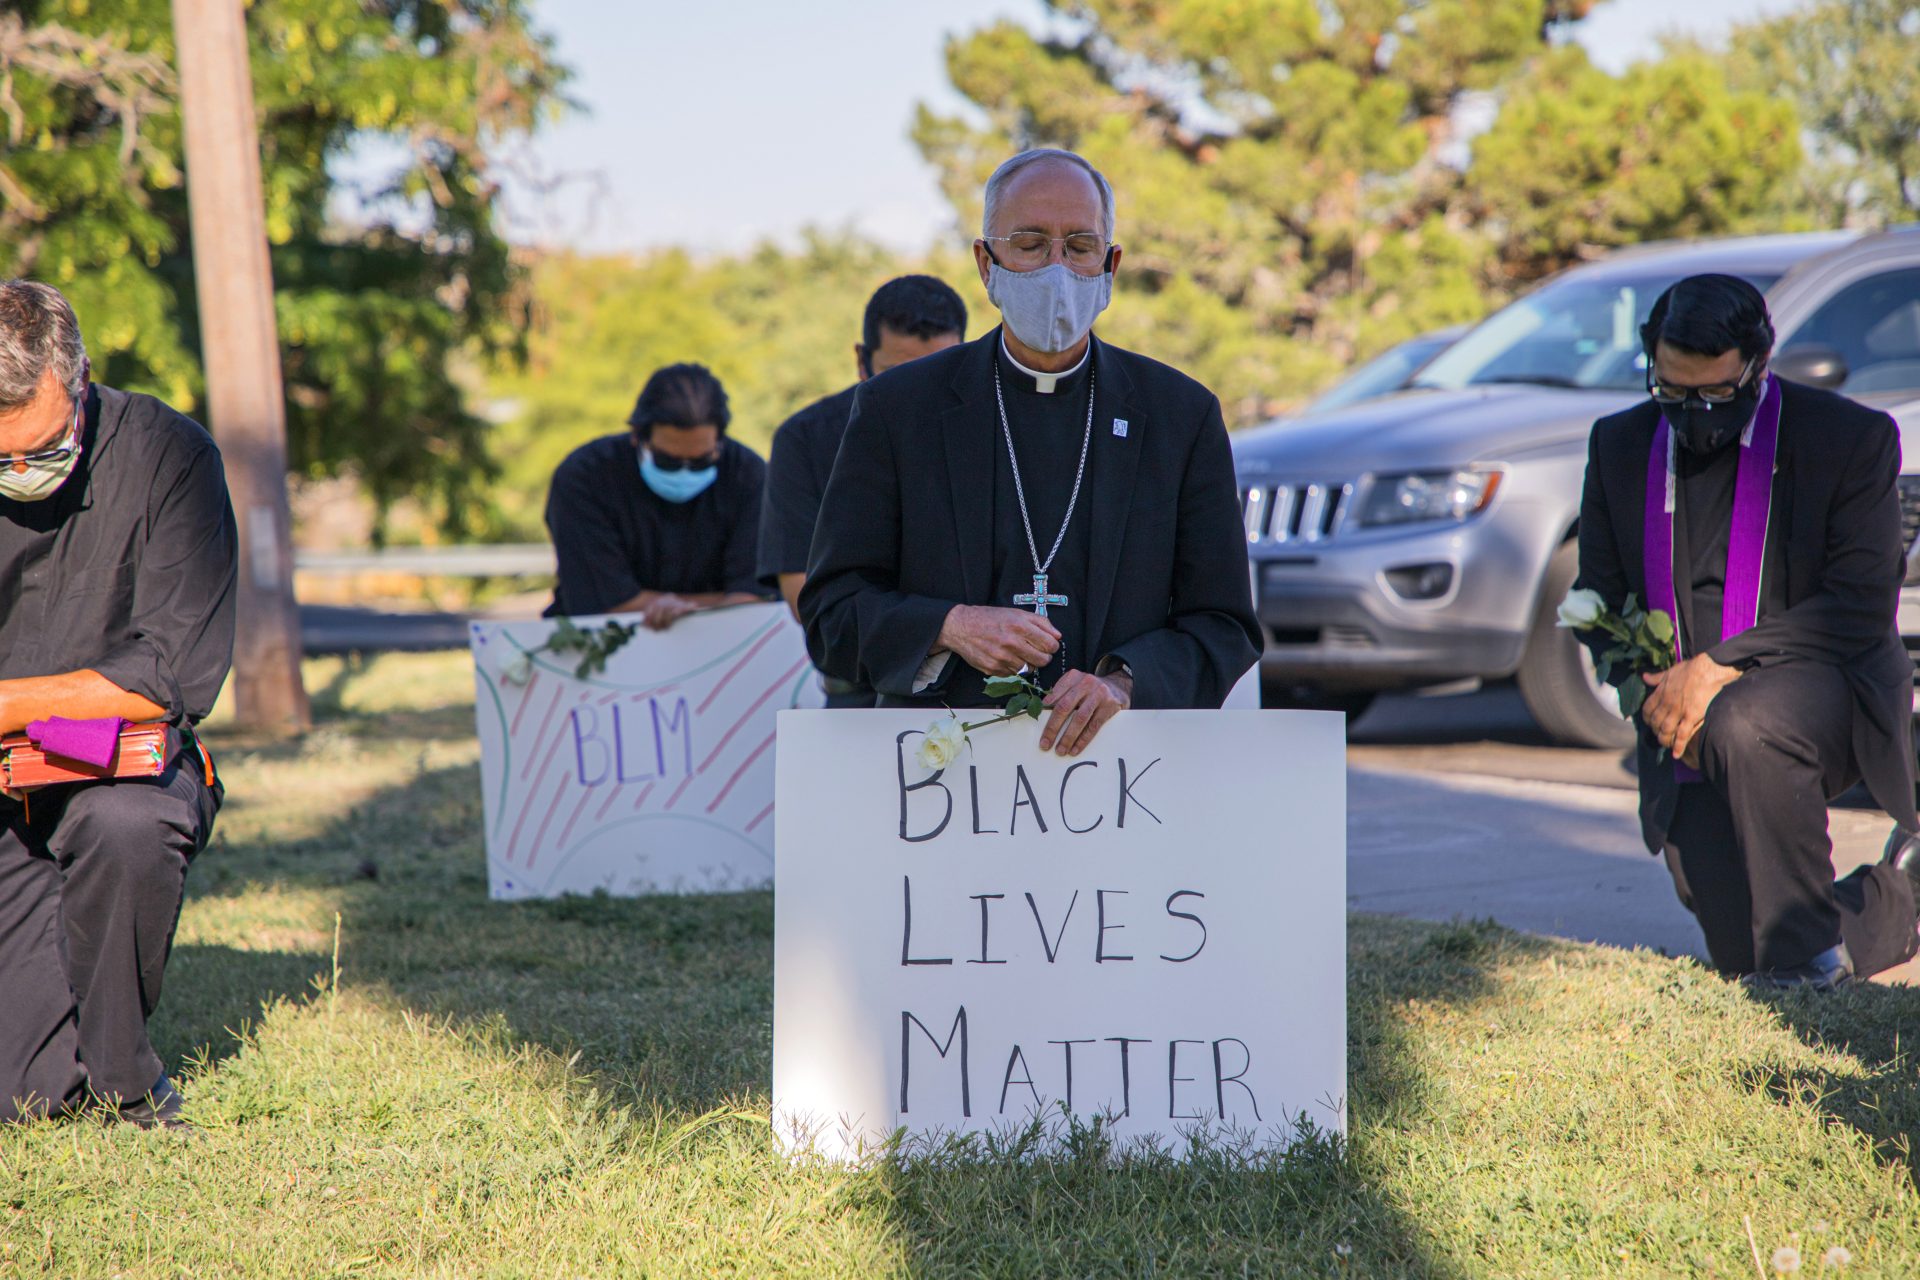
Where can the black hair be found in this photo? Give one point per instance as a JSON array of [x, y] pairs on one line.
[[680, 395], [917, 306], [1708, 314]]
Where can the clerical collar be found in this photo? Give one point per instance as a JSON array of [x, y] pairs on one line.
[[1044, 384]]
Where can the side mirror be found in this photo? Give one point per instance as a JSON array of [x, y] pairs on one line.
[[1813, 365]]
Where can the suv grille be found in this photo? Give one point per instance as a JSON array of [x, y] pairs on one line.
[[1294, 513]]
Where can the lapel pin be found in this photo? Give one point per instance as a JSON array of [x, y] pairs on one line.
[[1120, 427]]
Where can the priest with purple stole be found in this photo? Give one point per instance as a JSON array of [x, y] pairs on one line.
[[1035, 499], [1762, 516]]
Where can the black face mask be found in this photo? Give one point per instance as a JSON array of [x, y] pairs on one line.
[[1706, 429]]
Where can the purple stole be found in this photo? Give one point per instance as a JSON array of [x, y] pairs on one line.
[[1747, 542]]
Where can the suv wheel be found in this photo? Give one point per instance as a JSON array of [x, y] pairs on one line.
[[1556, 677]]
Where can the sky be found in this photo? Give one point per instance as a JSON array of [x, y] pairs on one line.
[[720, 124]]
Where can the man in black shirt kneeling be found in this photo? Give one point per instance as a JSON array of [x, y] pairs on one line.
[[117, 575], [1761, 516], [906, 318], [661, 521]]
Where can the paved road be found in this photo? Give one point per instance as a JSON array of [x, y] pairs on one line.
[[1458, 807]]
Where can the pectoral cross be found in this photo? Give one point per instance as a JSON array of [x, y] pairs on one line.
[[1038, 599]]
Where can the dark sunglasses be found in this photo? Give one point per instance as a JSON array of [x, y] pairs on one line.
[[667, 462]]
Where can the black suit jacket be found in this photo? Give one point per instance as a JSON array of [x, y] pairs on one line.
[[1834, 564], [905, 529]]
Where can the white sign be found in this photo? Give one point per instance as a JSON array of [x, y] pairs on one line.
[[655, 775], [1153, 933]]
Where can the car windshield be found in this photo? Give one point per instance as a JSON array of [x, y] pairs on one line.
[[1583, 334], [1384, 373]]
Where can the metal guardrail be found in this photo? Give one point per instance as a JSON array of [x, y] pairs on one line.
[[501, 560]]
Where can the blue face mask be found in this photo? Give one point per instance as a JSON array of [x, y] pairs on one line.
[[676, 486]]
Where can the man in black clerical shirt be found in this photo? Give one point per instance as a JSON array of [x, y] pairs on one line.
[[906, 318], [1762, 514], [117, 573], [660, 521], [1036, 498]]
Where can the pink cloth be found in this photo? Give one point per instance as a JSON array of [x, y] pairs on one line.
[[88, 741]]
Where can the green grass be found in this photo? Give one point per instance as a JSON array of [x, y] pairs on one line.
[[578, 1088]]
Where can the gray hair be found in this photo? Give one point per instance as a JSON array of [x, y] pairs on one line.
[[38, 332], [997, 184]]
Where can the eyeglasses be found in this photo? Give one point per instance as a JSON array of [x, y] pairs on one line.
[[1714, 393], [1083, 250], [53, 456], [668, 462]]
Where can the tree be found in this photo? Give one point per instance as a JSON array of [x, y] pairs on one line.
[[377, 306], [776, 326], [1580, 161], [1289, 172], [1850, 67]]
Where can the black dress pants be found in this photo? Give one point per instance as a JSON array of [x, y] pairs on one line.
[[91, 878], [1749, 848]]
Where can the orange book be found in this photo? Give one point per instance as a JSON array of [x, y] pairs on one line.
[[143, 753]]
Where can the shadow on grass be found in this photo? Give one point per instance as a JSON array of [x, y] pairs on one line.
[[1876, 1026], [1320, 1208], [668, 1003], [214, 992]]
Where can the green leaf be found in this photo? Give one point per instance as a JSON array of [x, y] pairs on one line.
[[1633, 695]]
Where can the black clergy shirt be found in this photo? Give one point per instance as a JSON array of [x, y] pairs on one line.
[[614, 537], [1706, 508], [128, 568], [802, 458], [1047, 428]]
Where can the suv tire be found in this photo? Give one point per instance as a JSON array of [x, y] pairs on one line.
[[1556, 675]]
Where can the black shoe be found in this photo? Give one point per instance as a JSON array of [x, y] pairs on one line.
[[160, 1109], [1828, 971]]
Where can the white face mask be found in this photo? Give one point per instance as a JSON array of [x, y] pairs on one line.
[[44, 472], [1050, 309]]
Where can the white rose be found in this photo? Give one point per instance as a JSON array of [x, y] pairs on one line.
[[941, 746], [517, 669], [1582, 609]]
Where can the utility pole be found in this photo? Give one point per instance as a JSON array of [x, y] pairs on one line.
[[240, 346]]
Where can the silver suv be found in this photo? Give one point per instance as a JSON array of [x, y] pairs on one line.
[[1423, 540]]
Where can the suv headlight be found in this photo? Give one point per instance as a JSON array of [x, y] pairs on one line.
[[1411, 497]]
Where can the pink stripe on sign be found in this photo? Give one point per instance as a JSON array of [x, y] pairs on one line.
[[773, 629], [514, 844], [526, 696], [641, 799], [740, 772], [761, 817], [539, 739], [758, 702], [533, 855], [586, 798], [680, 790]]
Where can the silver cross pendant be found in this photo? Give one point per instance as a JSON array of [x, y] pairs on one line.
[[1038, 599]]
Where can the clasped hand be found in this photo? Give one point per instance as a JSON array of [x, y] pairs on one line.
[[1002, 642], [1677, 706]]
